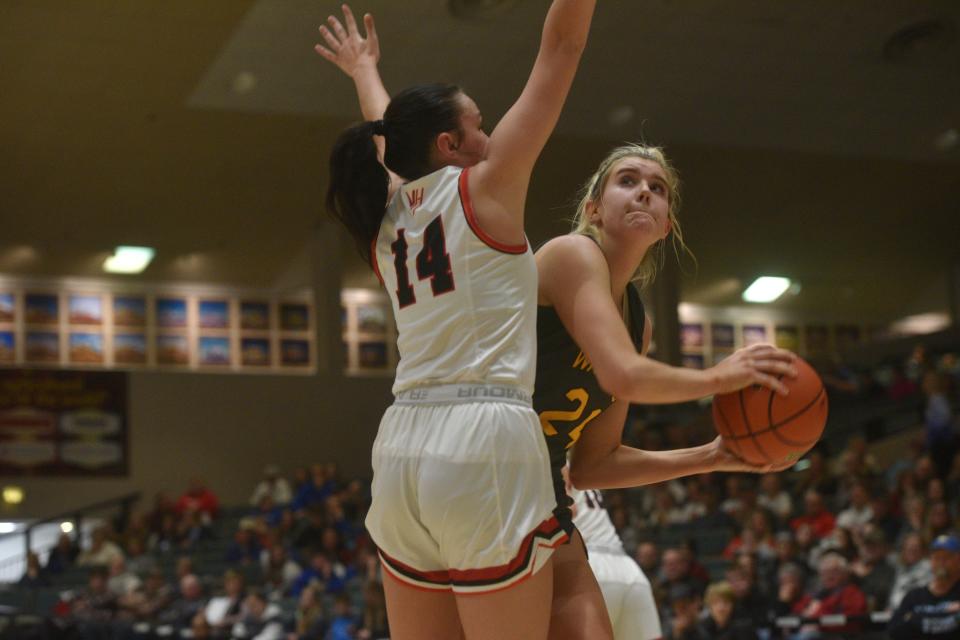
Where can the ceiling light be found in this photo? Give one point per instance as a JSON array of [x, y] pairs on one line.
[[766, 289], [12, 495], [128, 260], [7, 527], [66, 527]]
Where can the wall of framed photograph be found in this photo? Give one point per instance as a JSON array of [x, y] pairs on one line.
[[708, 334], [100, 325], [369, 333]]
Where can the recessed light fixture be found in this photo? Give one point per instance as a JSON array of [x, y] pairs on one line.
[[12, 494], [7, 527], [128, 259], [66, 527], [766, 289]]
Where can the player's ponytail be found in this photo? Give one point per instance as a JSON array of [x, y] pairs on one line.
[[359, 184]]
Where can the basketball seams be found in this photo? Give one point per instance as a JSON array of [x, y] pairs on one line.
[[750, 432], [774, 426], [732, 439]]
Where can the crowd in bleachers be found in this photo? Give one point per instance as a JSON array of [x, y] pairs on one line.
[[727, 554]]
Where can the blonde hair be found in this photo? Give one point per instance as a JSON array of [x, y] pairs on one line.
[[719, 590], [592, 192]]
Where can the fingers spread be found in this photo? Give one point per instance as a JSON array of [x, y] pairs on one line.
[[350, 20], [332, 41]]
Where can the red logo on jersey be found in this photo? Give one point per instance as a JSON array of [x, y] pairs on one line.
[[415, 198]]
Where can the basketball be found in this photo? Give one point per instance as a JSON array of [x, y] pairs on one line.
[[763, 427]]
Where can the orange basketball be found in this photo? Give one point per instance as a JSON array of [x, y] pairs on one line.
[[762, 427]]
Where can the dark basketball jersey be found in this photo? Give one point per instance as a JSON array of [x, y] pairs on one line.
[[567, 396]]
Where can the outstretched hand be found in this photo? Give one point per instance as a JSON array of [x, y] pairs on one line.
[[346, 48], [761, 364], [725, 460]]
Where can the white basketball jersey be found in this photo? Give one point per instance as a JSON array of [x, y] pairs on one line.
[[465, 305], [593, 522]]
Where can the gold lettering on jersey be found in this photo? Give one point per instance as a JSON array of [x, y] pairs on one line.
[[582, 362], [415, 199]]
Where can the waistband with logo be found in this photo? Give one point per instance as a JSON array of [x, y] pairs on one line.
[[457, 393]]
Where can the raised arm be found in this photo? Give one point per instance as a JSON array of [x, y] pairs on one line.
[[574, 279], [499, 184]]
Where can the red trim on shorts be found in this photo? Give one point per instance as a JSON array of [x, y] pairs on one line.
[[438, 580], [475, 225]]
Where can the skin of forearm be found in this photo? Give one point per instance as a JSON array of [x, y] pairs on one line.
[[567, 25], [627, 467], [647, 381], [372, 94]]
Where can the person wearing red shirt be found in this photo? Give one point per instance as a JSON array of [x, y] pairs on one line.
[[837, 595], [198, 498], [815, 514]]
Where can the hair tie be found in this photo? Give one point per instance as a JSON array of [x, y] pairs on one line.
[[379, 128]]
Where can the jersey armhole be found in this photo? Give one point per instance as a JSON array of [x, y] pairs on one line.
[[374, 263], [474, 224]]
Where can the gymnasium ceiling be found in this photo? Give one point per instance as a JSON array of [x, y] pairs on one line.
[[812, 135]]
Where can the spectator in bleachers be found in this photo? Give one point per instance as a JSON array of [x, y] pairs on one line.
[[343, 624], [714, 516], [939, 521], [786, 553], [739, 496], [259, 620], [136, 528], [102, 550], [94, 607], [34, 576], [939, 421], [648, 557], [835, 595], [914, 518], [226, 609], [817, 476], [153, 596], [755, 537], [774, 498], [912, 568], [328, 573], [198, 499], [309, 623], [680, 621], [122, 581], [629, 534], [720, 623], [815, 515], [791, 588], [268, 512], [185, 605], [840, 541], [665, 510], [193, 527], [315, 491], [308, 533], [675, 569], [245, 548], [750, 604], [199, 628], [331, 543], [859, 512], [165, 539], [375, 624], [354, 500], [162, 506], [138, 561], [882, 516], [273, 485], [873, 571], [279, 571], [933, 610], [63, 556]]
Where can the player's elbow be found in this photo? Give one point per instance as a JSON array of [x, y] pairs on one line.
[[614, 379], [582, 475]]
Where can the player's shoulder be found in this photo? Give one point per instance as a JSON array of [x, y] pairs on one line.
[[572, 250]]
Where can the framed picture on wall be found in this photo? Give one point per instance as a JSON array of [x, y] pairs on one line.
[[294, 317], [372, 355], [130, 348], [754, 334], [8, 307], [8, 347], [692, 360], [85, 348], [213, 351], [254, 315], [255, 352], [787, 337], [42, 346], [214, 314], [42, 308], [173, 349], [371, 318], [722, 335], [171, 313], [85, 310], [691, 335], [818, 339], [130, 311], [294, 353]]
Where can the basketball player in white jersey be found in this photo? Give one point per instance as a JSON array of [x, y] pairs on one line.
[[462, 509], [626, 590]]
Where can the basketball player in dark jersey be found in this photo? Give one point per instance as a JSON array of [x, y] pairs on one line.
[[592, 337]]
